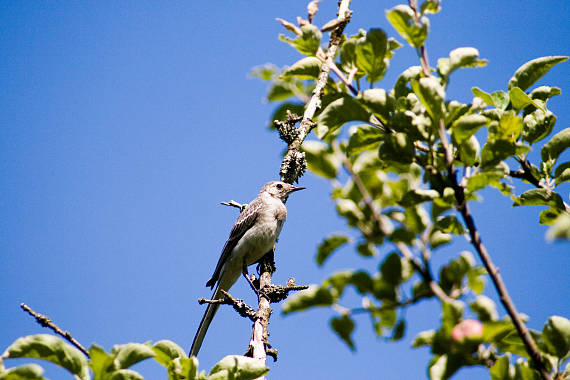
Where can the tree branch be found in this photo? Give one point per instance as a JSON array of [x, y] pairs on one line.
[[463, 208], [292, 168], [45, 321]]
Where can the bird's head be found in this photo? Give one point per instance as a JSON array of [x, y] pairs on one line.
[[280, 190]]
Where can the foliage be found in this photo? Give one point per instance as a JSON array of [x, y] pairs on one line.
[[384, 153], [116, 364]]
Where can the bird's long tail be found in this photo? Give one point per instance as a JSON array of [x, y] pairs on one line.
[[205, 323]]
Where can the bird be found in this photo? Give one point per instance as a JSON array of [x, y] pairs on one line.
[[254, 234]]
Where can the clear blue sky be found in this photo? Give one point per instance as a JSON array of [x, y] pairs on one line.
[[123, 124]]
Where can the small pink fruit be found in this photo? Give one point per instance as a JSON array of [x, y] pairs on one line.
[[467, 330]]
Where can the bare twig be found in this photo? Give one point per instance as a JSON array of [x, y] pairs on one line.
[[233, 203], [45, 321], [239, 305], [463, 208]]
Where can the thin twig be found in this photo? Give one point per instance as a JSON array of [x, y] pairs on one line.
[[239, 305], [463, 208], [45, 321]]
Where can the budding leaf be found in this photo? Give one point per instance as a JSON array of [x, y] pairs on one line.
[[556, 336], [432, 95]]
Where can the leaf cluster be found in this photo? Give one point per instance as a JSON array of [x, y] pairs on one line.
[[116, 364], [394, 157]]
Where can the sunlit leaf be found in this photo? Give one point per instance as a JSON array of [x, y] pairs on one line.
[[370, 52], [307, 42], [339, 112], [402, 19], [52, 349], [537, 125], [432, 95], [239, 368], [314, 296], [306, 68], [539, 197], [533, 70], [556, 336]]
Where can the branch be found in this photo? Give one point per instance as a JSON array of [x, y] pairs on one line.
[[292, 167], [45, 321], [463, 208], [239, 305], [406, 252]]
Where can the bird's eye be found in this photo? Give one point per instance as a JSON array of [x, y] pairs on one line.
[[279, 186]]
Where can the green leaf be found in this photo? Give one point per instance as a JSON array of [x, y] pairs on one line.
[[520, 100], [129, 354], [560, 230], [430, 6], [264, 72], [52, 349], [562, 173], [348, 53], [476, 280], [469, 151], [556, 336], [460, 57], [416, 196], [548, 216], [100, 362], [320, 159], [402, 19], [410, 74], [279, 91], [544, 93], [495, 331], [533, 70], [490, 175], [494, 151], [485, 308], [166, 351], [466, 126], [424, 338], [399, 330], [557, 144], [306, 68], [126, 374], [510, 126], [24, 372], [378, 101], [391, 269], [328, 246], [500, 370], [339, 112], [344, 326], [449, 224], [350, 211], [308, 42], [370, 53], [438, 238], [524, 372], [314, 296], [366, 249], [537, 125], [397, 148], [539, 197], [432, 95], [498, 99], [237, 367], [363, 137]]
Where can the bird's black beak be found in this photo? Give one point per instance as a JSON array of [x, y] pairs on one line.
[[296, 189]]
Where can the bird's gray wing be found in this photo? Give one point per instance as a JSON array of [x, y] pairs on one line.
[[243, 223]]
